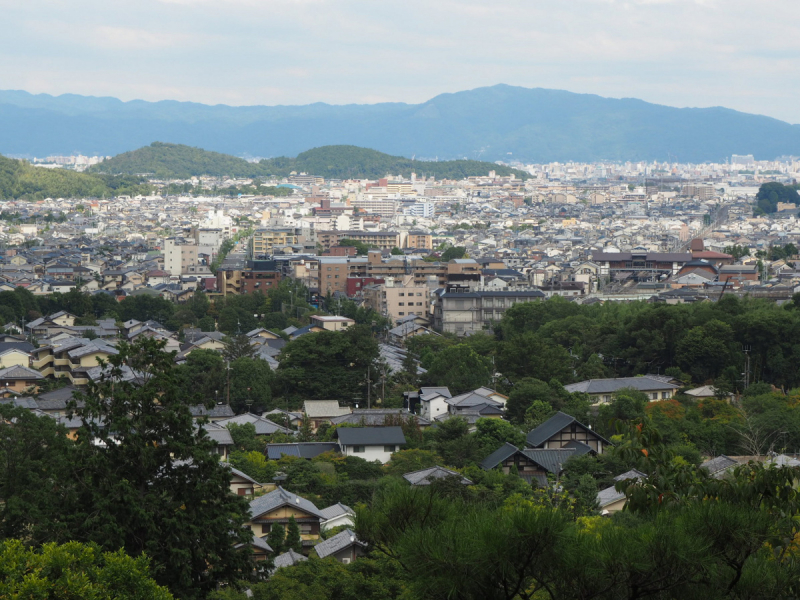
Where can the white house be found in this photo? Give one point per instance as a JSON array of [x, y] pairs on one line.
[[433, 402], [371, 443]]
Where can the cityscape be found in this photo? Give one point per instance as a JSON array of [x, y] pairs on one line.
[[354, 301]]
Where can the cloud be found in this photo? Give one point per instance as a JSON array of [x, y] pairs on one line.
[[678, 52]]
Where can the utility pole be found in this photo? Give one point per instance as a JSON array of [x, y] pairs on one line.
[[369, 390], [228, 369]]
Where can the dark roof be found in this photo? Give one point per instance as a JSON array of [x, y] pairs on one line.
[[301, 449], [498, 456], [280, 497], [657, 256], [218, 410], [718, 465], [553, 425], [579, 447], [550, 459], [370, 436], [537, 437], [22, 346]]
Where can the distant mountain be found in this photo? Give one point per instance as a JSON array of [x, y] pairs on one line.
[[21, 180], [331, 162], [495, 123]]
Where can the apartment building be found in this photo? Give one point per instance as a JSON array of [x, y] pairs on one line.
[[395, 301], [419, 240], [383, 240], [253, 276], [334, 271], [178, 255], [264, 240], [383, 208], [467, 312], [71, 358]]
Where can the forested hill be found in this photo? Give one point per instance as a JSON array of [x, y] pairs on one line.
[[330, 162], [178, 162], [352, 162], [21, 180]]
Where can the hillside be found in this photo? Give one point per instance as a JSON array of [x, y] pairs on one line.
[[493, 123], [20, 180], [352, 162], [178, 162], [331, 162]]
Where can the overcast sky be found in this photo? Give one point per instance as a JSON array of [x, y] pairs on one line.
[[735, 53]]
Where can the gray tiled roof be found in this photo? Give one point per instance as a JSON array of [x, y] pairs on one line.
[[550, 459], [336, 510], [288, 559], [376, 416], [324, 409], [18, 372], [343, 539], [263, 426], [218, 410], [609, 386], [579, 447], [301, 449], [370, 436], [537, 437], [718, 465], [280, 497], [608, 496], [427, 476]]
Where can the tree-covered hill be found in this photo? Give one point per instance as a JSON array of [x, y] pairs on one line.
[[177, 161], [21, 180], [331, 162], [353, 162]]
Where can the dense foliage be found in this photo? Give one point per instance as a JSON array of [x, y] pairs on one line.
[[21, 180], [353, 162], [769, 194]]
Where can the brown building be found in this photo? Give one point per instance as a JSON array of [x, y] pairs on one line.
[[255, 276], [419, 240]]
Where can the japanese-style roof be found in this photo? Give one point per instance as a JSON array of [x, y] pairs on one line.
[[336, 510], [609, 386], [537, 437], [370, 436], [288, 559], [324, 409], [718, 465], [218, 410], [263, 426], [428, 476], [280, 497], [579, 447], [342, 540], [18, 372], [301, 449], [550, 459], [498, 456]]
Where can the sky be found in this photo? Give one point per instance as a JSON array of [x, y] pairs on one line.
[[735, 53]]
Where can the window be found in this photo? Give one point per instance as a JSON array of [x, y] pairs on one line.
[[654, 395], [401, 303], [401, 313], [402, 294], [419, 303], [358, 449], [305, 529], [664, 395], [388, 448], [265, 528]]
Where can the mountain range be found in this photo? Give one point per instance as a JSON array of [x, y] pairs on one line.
[[498, 123]]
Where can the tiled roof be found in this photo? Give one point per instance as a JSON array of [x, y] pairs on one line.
[[280, 497], [302, 449], [428, 476], [288, 559], [343, 539], [370, 436]]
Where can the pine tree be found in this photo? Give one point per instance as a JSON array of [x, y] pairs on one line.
[[151, 480], [293, 540], [276, 539]]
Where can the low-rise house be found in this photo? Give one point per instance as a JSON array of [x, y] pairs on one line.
[[323, 411], [19, 380], [277, 507], [562, 430], [15, 354], [610, 500], [379, 417], [241, 483], [370, 443], [222, 437], [288, 559], [263, 426], [344, 547], [216, 413], [532, 464], [337, 515], [603, 390]]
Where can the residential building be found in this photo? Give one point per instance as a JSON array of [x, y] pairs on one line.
[[277, 507], [344, 547], [602, 390], [467, 312], [395, 301], [179, 255], [371, 443], [564, 431], [331, 322]]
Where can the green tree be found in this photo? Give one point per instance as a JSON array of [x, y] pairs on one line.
[[460, 369], [293, 540], [237, 346], [454, 252], [276, 538], [74, 570], [145, 470], [407, 461]]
